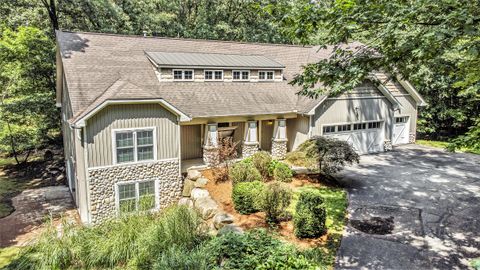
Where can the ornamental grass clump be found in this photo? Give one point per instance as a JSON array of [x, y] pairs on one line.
[[261, 160], [310, 215], [275, 200], [244, 172]]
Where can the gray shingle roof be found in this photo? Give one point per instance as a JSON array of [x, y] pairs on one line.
[[104, 66], [182, 59]]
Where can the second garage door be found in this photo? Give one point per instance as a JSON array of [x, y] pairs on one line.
[[365, 137]]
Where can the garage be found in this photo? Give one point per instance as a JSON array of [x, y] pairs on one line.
[[365, 137]]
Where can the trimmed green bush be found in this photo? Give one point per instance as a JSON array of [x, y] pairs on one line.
[[261, 160], [276, 198], [244, 172], [282, 173], [246, 196], [310, 216]]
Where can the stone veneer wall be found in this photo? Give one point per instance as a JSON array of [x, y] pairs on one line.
[[411, 138], [102, 185], [279, 148], [387, 146], [210, 155], [249, 148]]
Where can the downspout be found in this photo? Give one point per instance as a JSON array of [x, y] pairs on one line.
[[87, 182], [179, 147]]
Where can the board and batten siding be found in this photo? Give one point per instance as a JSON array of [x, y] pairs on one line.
[[191, 141], [297, 131], [334, 111], [101, 125], [408, 107]]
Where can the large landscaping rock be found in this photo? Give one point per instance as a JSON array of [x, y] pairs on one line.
[[188, 186], [201, 182], [185, 201], [221, 219], [193, 175], [198, 193], [230, 228], [207, 207]]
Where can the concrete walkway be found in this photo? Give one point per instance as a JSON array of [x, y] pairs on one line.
[[434, 197]]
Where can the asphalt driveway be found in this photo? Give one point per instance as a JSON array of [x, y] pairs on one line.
[[434, 198]]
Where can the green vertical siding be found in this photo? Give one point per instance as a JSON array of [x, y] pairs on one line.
[[101, 125]]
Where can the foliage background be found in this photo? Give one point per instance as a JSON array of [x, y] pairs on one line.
[[434, 44]]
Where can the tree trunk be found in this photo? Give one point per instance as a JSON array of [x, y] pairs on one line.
[[52, 13]]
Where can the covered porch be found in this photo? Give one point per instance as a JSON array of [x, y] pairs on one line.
[[200, 141]]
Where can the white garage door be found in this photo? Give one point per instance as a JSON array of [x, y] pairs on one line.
[[365, 137], [401, 130]]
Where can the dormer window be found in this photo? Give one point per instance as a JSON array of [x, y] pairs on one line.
[[266, 75], [241, 75], [213, 75], [183, 75]]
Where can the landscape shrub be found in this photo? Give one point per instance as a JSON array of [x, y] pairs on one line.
[[255, 249], [261, 160], [244, 172], [276, 198], [331, 155], [282, 173], [310, 216], [246, 196], [299, 158]]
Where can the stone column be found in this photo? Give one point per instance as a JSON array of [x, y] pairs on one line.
[[210, 155], [411, 138], [279, 148], [387, 146], [249, 148]]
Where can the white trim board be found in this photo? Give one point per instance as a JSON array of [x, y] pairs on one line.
[[82, 121]]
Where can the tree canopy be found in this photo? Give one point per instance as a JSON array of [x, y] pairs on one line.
[[433, 44]]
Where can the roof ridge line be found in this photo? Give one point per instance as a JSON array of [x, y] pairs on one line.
[[187, 39]]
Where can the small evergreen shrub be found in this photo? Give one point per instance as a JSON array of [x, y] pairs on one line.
[[276, 198], [246, 196], [310, 216], [261, 160], [282, 173], [244, 172]]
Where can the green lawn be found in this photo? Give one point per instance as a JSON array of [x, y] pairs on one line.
[[443, 145], [336, 206], [8, 187]]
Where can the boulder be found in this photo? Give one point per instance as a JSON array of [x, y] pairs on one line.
[[207, 207], [230, 228], [201, 182], [221, 219], [193, 175], [185, 201], [188, 185], [198, 193]]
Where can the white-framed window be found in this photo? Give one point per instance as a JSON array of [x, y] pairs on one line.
[[359, 126], [401, 119], [266, 75], [328, 129], [346, 127], [251, 131], [241, 75], [135, 196], [372, 125], [183, 74], [213, 75], [281, 129], [133, 145]]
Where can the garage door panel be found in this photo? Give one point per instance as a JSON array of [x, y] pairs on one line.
[[363, 141]]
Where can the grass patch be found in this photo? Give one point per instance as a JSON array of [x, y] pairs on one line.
[[7, 255], [335, 201], [443, 145], [8, 188]]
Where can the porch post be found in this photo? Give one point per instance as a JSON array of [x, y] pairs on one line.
[[250, 144], [210, 147], [279, 140]]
